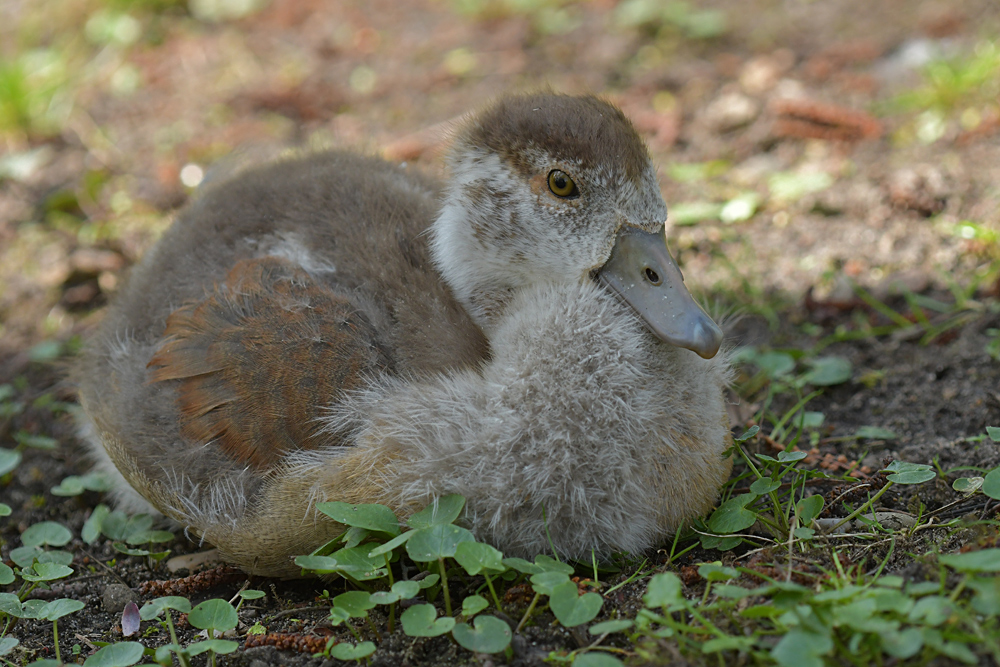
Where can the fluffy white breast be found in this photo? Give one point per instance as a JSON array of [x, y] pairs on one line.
[[558, 432]]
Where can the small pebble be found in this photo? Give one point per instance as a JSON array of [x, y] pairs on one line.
[[922, 188], [894, 521], [116, 596], [730, 111]]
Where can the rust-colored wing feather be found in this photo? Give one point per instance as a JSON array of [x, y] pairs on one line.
[[259, 358]]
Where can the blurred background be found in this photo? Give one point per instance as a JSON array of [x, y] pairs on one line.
[[832, 170], [806, 148]]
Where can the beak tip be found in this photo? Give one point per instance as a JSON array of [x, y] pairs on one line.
[[703, 337], [707, 339]]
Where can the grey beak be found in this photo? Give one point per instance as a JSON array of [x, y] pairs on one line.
[[642, 271]]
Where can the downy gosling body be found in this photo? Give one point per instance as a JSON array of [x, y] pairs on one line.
[[338, 328]]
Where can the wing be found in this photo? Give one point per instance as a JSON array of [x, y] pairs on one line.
[[259, 358]]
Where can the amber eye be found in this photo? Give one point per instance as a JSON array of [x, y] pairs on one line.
[[562, 185]]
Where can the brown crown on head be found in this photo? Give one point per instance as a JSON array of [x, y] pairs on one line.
[[586, 128]]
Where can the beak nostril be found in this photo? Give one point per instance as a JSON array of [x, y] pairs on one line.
[[652, 276]]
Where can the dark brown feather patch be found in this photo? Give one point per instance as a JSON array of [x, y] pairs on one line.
[[260, 357]]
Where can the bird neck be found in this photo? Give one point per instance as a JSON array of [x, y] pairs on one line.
[[479, 279]]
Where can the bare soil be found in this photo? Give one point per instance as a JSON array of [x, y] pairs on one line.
[[389, 75]]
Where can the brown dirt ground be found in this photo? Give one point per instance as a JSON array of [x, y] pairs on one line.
[[281, 77]]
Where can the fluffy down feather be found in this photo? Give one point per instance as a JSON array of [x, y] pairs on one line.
[[576, 430]]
